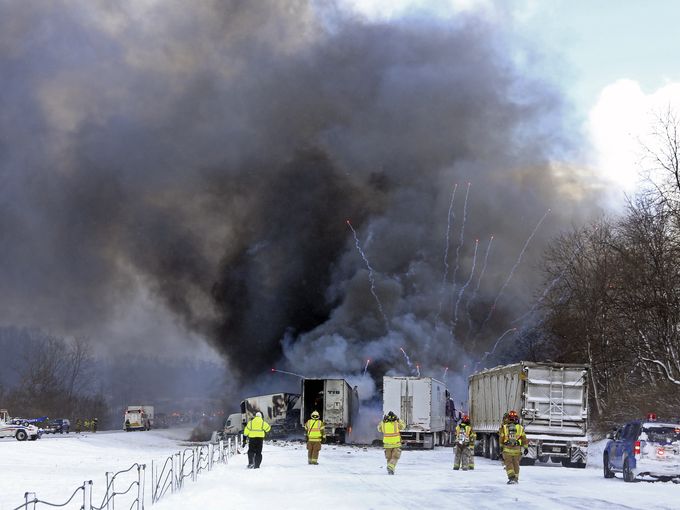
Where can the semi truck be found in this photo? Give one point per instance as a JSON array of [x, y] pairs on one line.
[[17, 428], [336, 402], [551, 400], [280, 410], [138, 417], [424, 405]]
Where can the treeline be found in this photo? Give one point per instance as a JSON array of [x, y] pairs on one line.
[[49, 376], [612, 297]]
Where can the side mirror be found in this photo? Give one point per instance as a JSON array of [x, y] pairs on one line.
[[610, 435]]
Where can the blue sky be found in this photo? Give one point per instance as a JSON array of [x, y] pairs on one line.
[[617, 61], [605, 41]]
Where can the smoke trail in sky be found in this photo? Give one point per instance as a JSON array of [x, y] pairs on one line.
[[489, 353], [449, 219], [406, 357], [371, 278], [479, 282], [465, 286], [462, 234], [512, 272]]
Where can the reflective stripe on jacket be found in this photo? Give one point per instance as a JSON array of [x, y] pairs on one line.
[[464, 434], [391, 433], [256, 427], [512, 438], [315, 430]]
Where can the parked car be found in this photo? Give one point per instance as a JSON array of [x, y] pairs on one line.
[[59, 426], [643, 448], [38, 422]]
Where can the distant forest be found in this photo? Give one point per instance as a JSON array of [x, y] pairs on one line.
[[47, 375]]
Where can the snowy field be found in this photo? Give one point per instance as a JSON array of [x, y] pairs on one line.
[[346, 478]]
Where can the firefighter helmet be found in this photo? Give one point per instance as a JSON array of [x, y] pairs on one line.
[[391, 416], [315, 415], [258, 414], [465, 419], [513, 416], [651, 416]]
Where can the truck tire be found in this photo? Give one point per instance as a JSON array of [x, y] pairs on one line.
[[608, 473], [495, 448], [21, 435], [628, 475]]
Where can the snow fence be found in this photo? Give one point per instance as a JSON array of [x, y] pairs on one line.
[[128, 487]]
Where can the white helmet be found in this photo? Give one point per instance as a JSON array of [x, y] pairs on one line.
[[258, 414]]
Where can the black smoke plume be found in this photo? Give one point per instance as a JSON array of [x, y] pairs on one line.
[[208, 154]]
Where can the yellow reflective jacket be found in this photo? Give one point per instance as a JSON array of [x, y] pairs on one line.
[[256, 427], [391, 431], [465, 435], [315, 430], [512, 436]]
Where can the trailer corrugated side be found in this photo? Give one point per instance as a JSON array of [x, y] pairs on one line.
[[422, 404], [552, 400]]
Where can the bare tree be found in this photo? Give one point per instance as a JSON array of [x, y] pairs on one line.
[[662, 158]]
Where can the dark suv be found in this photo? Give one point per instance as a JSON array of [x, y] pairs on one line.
[[644, 449], [60, 425]]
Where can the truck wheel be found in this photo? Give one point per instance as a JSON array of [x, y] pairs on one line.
[[21, 435], [495, 448], [33, 438], [628, 475], [567, 463]]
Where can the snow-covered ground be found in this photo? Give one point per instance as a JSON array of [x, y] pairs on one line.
[[347, 477]]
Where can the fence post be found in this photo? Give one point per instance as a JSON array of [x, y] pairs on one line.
[[106, 494], [26, 501], [180, 469], [140, 494], [87, 495]]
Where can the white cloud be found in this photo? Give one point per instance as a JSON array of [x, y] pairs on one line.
[[621, 122], [392, 9]]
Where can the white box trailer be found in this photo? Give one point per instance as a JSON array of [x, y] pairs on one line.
[[336, 402], [552, 401], [424, 405]]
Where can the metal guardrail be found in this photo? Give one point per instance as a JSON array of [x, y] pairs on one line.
[[169, 476]]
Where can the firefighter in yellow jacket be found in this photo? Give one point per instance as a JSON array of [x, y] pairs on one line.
[[255, 430], [464, 445], [316, 433], [391, 428], [513, 440]]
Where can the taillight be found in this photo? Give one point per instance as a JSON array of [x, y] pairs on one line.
[[660, 452], [637, 447]]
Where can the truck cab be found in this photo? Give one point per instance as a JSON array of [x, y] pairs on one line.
[[20, 431], [233, 424]]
